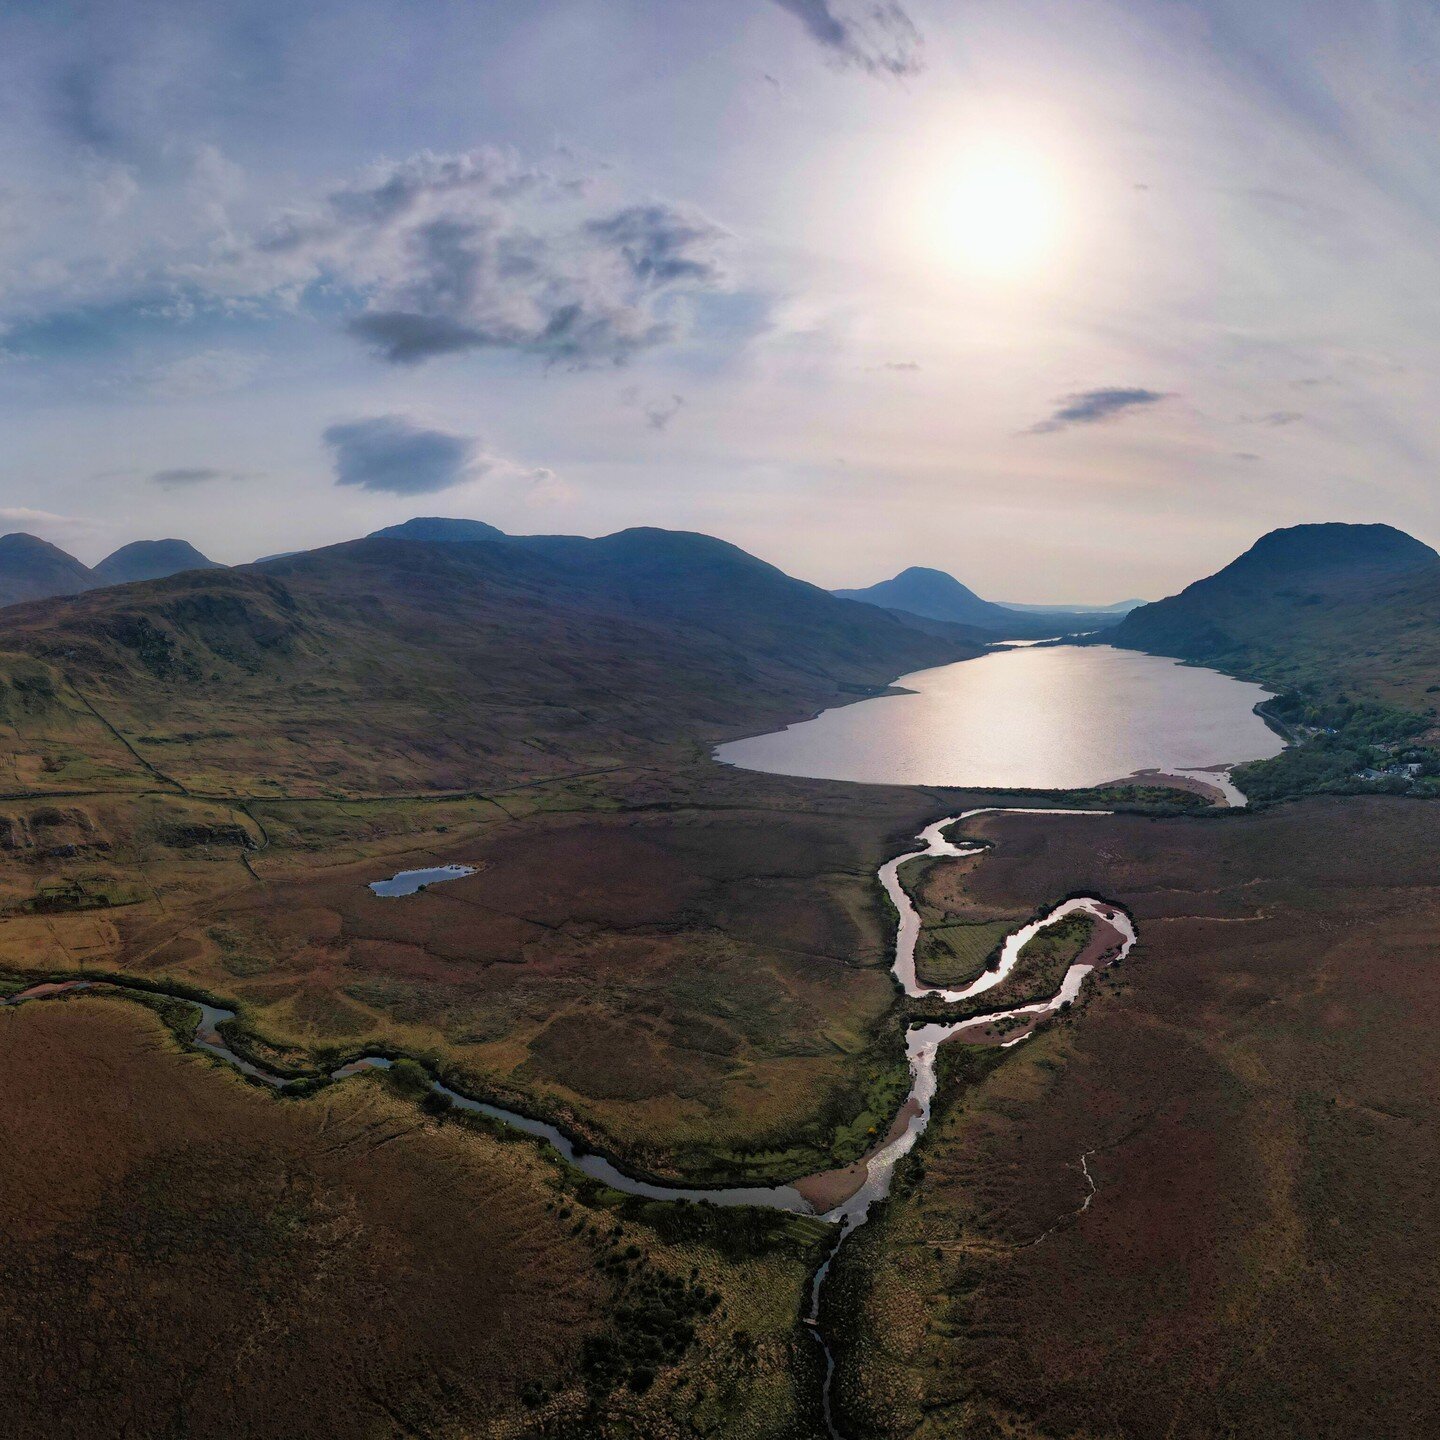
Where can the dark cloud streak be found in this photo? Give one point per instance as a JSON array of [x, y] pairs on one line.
[[1092, 407], [880, 39], [183, 476]]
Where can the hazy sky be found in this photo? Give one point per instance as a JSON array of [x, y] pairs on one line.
[[1070, 299]]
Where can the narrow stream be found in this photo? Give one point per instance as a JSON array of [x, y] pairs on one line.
[[922, 1043]]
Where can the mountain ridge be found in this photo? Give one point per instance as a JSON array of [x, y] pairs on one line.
[[1333, 603], [34, 569], [383, 663]]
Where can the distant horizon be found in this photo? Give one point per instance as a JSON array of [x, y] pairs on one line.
[[1064, 602]]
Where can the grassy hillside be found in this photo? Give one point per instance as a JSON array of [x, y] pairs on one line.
[[351, 1267], [681, 959], [390, 666], [1343, 621], [1353, 606]]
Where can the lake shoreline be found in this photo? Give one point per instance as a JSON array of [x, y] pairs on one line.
[[1045, 718]]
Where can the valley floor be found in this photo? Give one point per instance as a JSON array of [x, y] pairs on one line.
[[1202, 1205], [687, 965]]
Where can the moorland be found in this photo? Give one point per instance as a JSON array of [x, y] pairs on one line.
[[687, 966], [1198, 1206]]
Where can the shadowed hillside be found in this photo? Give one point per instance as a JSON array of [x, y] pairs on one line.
[[32, 569], [1355, 605], [150, 560], [388, 665]]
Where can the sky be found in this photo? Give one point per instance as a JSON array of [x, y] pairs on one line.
[[1071, 300]]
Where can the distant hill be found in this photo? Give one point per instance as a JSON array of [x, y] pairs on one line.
[[931, 593], [438, 528], [395, 665], [34, 569], [938, 596], [150, 560], [1349, 604]]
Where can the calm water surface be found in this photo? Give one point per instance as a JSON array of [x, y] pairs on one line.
[[1047, 717], [407, 882]]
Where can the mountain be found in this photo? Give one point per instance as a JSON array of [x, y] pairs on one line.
[[431, 528], [33, 569], [932, 593], [382, 664], [938, 596], [1344, 604], [439, 528], [150, 560]]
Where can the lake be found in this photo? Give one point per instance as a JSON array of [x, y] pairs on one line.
[[1034, 717], [410, 882]]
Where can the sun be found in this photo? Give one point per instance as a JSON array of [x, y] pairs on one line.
[[1004, 212]]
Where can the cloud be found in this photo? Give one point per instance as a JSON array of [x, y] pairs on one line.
[[659, 413], [405, 337], [43, 519], [538, 486], [448, 253], [897, 365], [1091, 407], [393, 454], [81, 108], [184, 476], [661, 245], [879, 38], [1275, 419]]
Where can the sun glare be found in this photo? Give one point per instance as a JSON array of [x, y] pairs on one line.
[[1004, 212]]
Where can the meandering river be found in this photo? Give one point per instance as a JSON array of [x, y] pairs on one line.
[[857, 1188], [1044, 717]]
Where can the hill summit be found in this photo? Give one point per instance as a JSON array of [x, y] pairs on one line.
[[1324, 549], [1309, 600], [150, 560], [934, 595], [439, 528], [34, 569]]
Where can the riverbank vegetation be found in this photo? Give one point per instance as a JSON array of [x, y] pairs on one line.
[[249, 1265], [1339, 745], [958, 938]]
